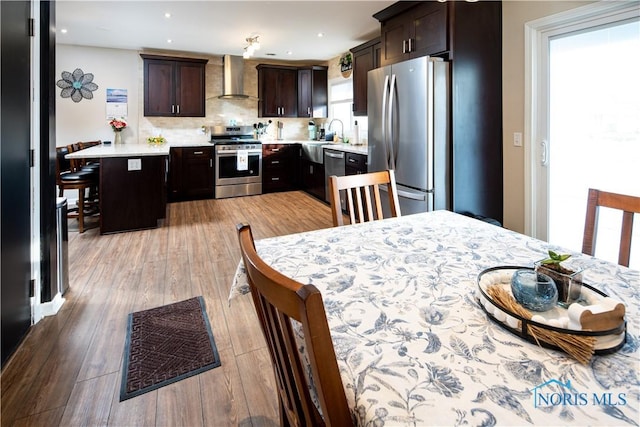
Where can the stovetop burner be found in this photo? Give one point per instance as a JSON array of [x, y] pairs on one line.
[[232, 135]]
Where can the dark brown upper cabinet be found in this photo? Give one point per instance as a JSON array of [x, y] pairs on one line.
[[419, 31], [278, 91], [366, 57], [174, 87], [312, 92]]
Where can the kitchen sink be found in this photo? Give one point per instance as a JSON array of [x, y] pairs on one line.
[[312, 150]]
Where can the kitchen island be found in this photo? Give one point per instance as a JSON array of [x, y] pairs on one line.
[[133, 181]]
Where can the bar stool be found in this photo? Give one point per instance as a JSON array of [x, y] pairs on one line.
[[69, 179]]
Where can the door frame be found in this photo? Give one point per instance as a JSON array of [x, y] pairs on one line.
[[536, 125]]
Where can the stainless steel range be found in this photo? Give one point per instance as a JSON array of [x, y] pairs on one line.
[[238, 155]]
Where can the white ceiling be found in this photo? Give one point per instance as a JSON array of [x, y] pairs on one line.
[[220, 27]]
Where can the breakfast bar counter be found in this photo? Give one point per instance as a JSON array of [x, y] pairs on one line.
[[133, 181]]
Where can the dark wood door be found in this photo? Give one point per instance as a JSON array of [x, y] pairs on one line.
[[312, 178], [365, 58], [429, 29], [288, 93], [278, 91], [190, 89], [15, 110], [394, 35], [312, 92], [174, 87], [197, 172], [305, 93], [268, 89], [159, 84]]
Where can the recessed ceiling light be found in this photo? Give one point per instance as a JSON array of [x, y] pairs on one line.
[[63, 30], [167, 15], [320, 34], [289, 52], [169, 41]]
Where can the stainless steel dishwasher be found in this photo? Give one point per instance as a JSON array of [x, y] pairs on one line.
[[333, 165]]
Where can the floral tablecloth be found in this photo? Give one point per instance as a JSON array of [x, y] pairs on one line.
[[414, 346]]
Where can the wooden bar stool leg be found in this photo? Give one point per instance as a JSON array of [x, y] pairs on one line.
[[81, 210]]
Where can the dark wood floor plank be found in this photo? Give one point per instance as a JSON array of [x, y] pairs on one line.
[[90, 402]]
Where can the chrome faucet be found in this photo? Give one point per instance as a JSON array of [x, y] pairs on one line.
[[342, 124]]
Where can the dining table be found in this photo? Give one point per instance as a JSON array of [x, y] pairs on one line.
[[415, 344]]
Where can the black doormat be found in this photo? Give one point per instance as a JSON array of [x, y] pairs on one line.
[[167, 344]]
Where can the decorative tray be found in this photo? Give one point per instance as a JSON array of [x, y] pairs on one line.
[[554, 321]]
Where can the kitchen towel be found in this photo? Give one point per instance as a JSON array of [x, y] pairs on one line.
[[242, 160]]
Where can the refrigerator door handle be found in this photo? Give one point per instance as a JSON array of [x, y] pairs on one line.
[[385, 93], [390, 141]]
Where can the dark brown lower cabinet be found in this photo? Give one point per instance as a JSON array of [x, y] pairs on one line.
[[280, 163], [312, 178], [133, 193], [191, 174]]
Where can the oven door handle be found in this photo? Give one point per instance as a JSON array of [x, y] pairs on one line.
[[234, 152]]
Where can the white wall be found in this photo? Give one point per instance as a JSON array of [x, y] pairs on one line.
[[122, 69], [514, 16], [86, 120]]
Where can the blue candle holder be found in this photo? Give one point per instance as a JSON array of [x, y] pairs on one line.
[[534, 291]]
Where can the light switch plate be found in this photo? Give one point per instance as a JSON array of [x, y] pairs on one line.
[[134, 164], [517, 139]]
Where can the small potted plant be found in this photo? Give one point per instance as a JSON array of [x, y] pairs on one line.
[[568, 281]]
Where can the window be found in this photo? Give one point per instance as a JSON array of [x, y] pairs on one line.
[[340, 102]]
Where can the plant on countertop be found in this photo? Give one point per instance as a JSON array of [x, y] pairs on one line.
[[156, 140], [118, 124]]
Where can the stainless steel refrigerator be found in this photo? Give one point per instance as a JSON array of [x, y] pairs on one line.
[[408, 110]]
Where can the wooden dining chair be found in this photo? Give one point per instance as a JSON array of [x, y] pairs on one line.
[[279, 300], [361, 191], [628, 204]]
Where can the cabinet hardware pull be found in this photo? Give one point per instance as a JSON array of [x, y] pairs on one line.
[[275, 179], [410, 45], [178, 108], [309, 111], [275, 150], [210, 163], [351, 160], [197, 152], [404, 46], [173, 109], [275, 162]]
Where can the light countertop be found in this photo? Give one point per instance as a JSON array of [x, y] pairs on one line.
[[144, 149], [359, 149], [121, 150]]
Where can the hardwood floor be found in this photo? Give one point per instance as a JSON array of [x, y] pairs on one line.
[[68, 370]]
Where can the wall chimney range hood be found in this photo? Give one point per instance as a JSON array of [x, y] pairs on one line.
[[232, 78]]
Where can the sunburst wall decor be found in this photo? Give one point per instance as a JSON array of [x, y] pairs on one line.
[[76, 85]]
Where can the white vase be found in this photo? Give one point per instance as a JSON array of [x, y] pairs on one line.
[[117, 138]]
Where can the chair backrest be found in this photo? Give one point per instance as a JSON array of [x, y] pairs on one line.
[[628, 204], [279, 300], [62, 163], [362, 189], [76, 164], [88, 144]]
